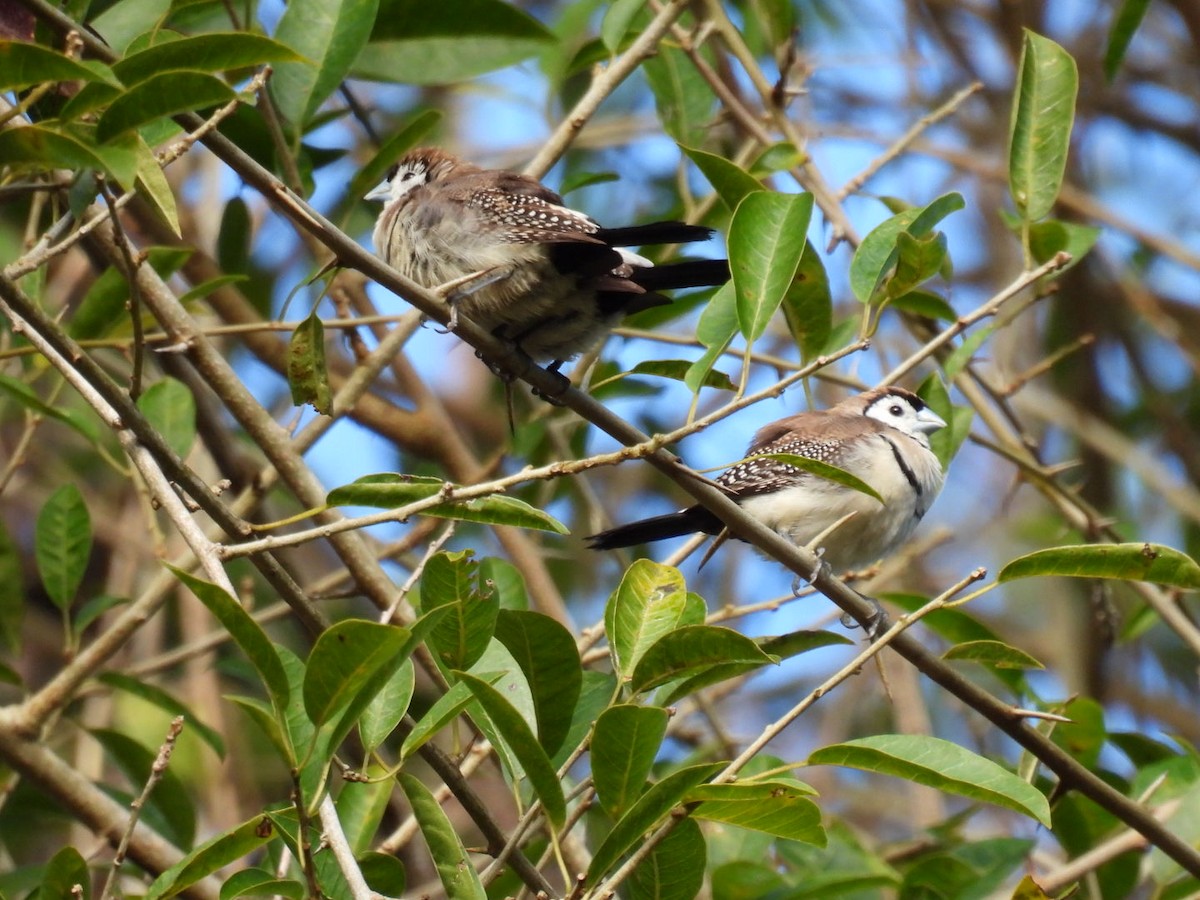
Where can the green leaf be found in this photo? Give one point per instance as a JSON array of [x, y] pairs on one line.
[[715, 330], [443, 711], [680, 370], [307, 373], [875, 260], [684, 101], [42, 148], [328, 35], [415, 42], [524, 745], [156, 696], [1125, 25], [617, 21], [388, 707], [917, 260], [547, 654], [169, 804], [1130, 562], [731, 182], [451, 582], [161, 95], [778, 807], [624, 745], [214, 52], [808, 304], [246, 632], [938, 764], [1040, 128], [650, 601], [212, 856], [766, 239], [945, 441], [155, 188], [125, 20], [361, 806], [823, 470], [994, 654], [689, 649], [63, 544], [260, 883], [674, 869], [12, 592], [23, 64], [388, 491], [346, 658], [385, 875], [925, 303], [23, 394], [1046, 239], [65, 871], [171, 409], [454, 868], [631, 829]]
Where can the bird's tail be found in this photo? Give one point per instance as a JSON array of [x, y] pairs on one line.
[[659, 528], [684, 274], [654, 233]]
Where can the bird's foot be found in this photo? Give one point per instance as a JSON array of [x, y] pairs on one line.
[[561, 384], [799, 583], [459, 289], [876, 623]]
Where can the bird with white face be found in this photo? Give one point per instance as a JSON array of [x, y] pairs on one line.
[[880, 436], [508, 254]]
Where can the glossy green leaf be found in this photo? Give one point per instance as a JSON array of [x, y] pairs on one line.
[[674, 869], [458, 876], [684, 101], [689, 649], [875, 260], [731, 182], [453, 41], [595, 695], [171, 409], [1124, 25], [938, 764], [655, 803], [444, 710], [217, 52], [524, 745], [23, 64], [681, 370], [994, 654], [166, 94], [389, 491], [155, 188], [1130, 562], [650, 601], [211, 856], [247, 633], [547, 654], [1040, 128], [346, 658], [385, 875], [43, 147], [1046, 239], [808, 305], [260, 883], [927, 304], [125, 20], [624, 745], [63, 544], [767, 236], [388, 707], [715, 330], [779, 807], [617, 21], [65, 872], [361, 807], [825, 471], [451, 581], [328, 35], [155, 695], [307, 372], [917, 260]]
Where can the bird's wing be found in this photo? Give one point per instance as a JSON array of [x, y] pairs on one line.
[[530, 218]]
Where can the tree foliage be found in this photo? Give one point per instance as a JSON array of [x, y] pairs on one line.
[[292, 595]]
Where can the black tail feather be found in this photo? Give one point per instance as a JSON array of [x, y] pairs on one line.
[[659, 528], [654, 233], [684, 274]]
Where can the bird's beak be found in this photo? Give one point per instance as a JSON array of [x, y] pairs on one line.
[[928, 421], [379, 192]]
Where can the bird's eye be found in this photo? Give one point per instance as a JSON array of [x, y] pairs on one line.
[[896, 409]]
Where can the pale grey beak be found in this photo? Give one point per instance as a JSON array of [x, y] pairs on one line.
[[928, 421], [381, 191]]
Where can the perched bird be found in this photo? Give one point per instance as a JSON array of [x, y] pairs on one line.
[[880, 436], [505, 251]]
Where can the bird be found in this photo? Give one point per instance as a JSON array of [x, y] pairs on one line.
[[509, 254], [880, 436]]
